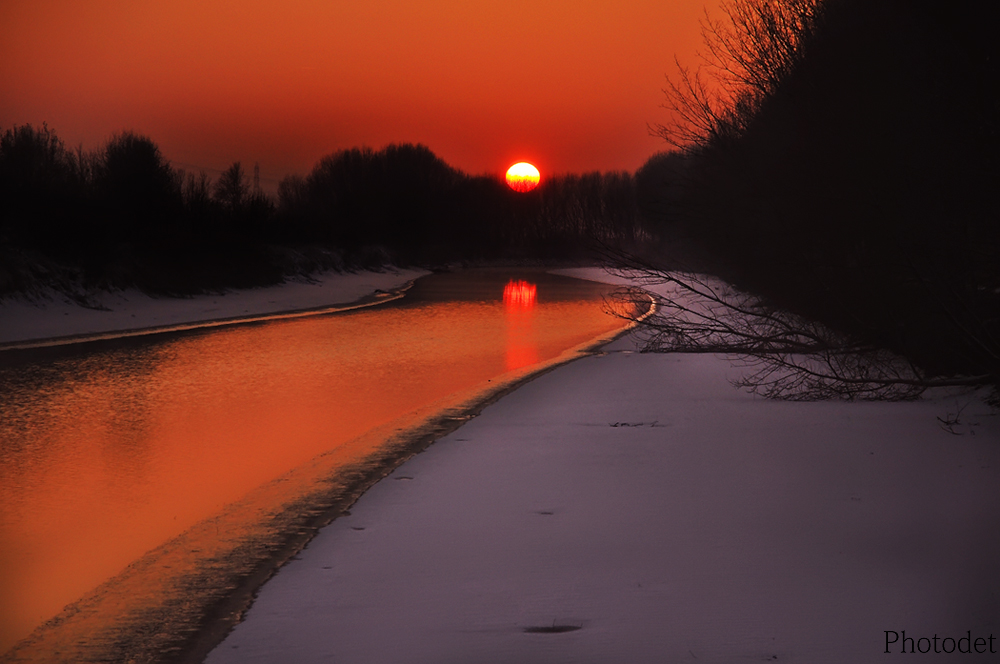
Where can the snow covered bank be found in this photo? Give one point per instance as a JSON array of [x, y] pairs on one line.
[[637, 508], [21, 320]]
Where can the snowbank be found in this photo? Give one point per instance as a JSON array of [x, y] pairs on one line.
[[58, 316], [637, 508]]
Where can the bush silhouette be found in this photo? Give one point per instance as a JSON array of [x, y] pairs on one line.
[[137, 189], [42, 186]]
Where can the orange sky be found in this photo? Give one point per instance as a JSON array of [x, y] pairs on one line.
[[567, 85]]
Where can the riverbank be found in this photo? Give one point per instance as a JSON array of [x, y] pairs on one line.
[[53, 316], [625, 507], [637, 507]]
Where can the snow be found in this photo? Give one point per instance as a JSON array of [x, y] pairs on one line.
[[654, 513], [113, 313]]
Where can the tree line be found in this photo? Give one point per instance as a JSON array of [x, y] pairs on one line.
[[122, 216], [839, 159]]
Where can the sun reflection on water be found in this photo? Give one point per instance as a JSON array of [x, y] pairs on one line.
[[519, 294], [519, 298]]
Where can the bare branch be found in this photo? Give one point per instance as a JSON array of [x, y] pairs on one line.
[[749, 52], [789, 357]]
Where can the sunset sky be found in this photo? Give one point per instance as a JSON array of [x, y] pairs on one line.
[[567, 85]]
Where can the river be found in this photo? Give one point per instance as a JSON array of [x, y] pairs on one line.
[[128, 465]]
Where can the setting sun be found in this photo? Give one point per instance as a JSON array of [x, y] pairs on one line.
[[522, 176]]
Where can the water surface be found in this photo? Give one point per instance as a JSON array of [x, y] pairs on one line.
[[109, 450]]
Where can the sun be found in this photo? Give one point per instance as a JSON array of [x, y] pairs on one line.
[[522, 176]]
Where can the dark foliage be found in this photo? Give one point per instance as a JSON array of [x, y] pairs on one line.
[[123, 217], [42, 186], [855, 178], [361, 197], [136, 189], [409, 201]]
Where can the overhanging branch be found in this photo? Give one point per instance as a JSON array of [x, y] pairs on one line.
[[789, 357]]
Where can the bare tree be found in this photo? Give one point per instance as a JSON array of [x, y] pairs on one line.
[[232, 188], [196, 190], [748, 54]]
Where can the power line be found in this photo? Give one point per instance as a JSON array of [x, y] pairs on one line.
[[174, 162]]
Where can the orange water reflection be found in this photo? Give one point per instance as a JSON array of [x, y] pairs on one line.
[[106, 454], [519, 299], [519, 294]]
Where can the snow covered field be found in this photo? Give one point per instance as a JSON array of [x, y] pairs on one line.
[[22, 320], [633, 508], [637, 508]]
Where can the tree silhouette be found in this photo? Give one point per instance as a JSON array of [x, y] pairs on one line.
[[42, 185], [749, 54], [816, 174], [121, 216], [137, 188], [232, 189]]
